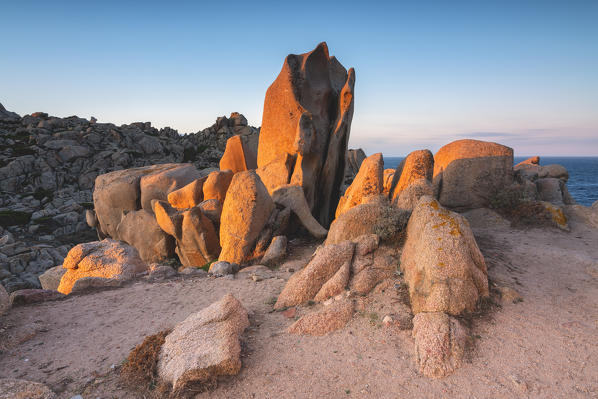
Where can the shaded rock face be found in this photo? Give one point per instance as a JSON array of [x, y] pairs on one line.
[[416, 166], [196, 238], [107, 259], [246, 210], [50, 279], [308, 112], [291, 197], [204, 346], [443, 265], [468, 173], [277, 173], [440, 342], [368, 182], [140, 230], [240, 153]]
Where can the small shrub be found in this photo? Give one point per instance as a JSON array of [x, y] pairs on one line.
[[140, 369], [391, 224]]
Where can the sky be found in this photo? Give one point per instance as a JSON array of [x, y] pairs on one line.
[[521, 73]]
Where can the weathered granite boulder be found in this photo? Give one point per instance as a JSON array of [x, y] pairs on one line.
[[196, 239], [50, 279], [408, 198], [292, 197], [416, 166], [12, 388], [308, 112], [159, 184], [204, 346], [246, 210], [443, 265], [4, 300], [240, 153], [440, 342], [468, 173], [277, 173], [188, 196], [368, 182], [107, 259], [217, 184], [140, 230]]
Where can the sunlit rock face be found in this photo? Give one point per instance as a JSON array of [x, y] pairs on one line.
[[307, 113]]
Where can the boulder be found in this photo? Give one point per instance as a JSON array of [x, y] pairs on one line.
[[368, 182], [556, 171], [140, 230], [28, 296], [188, 196], [159, 184], [4, 300], [217, 184], [292, 197], [240, 153], [530, 161], [372, 218], [469, 173], [276, 251], [307, 113], [50, 279], [409, 196], [416, 166], [307, 282], [196, 239], [246, 210], [106, 259], [550, 190], [204, 346], [12, 388], [443, 266], [222, 268], [277, 173], [212, 208], [330, 318], [440, 342]]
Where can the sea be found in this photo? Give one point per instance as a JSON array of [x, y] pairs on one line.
[[583, 174]]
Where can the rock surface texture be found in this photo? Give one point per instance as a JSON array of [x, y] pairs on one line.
[[368, 182], [205, 345], [308, 112], [417, 166]]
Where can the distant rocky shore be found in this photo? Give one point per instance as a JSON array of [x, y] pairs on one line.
[[48, 166]]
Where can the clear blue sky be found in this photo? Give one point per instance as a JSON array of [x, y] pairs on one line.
[[521, 73]]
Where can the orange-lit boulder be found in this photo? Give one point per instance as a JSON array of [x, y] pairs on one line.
[[107, 259], [367, 183], [216, 185], [140, 230], [308, 112], [277, 173], [417, 165], [158, 185], [188, 196], [468, 173], [530, 161], [443, 266], [246, 210], [240, 153], [196, 238]]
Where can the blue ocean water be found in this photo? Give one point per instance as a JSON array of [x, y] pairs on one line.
[[583, 174]]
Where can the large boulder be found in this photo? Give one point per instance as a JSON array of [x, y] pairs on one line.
[[158, 185], [308, 112], [140, 230], [416, 166], [370, 218], [240, 153], [368, 182], [246, 210], [408, 198], [469, 173], [204, 346], [291, 197], [4, 300], [188, 196], [440, 342], [108, 259], [217, 184], [443, 266], [196, 238]]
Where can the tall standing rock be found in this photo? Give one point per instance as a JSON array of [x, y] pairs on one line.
[[308, 112], [240, 153], [468, 173], [368, 182], [246, 210]]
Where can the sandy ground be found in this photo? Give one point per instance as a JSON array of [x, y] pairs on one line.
[[543, 347]]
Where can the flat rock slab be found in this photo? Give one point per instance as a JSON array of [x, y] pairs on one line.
[[24, 297]]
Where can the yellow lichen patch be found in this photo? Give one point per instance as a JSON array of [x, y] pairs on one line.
[[440, 264], [434, 204], [557, 215]]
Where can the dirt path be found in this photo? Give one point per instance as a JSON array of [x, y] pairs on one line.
[[543, 347]]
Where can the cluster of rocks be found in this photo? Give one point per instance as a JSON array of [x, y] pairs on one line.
[[48, 166]]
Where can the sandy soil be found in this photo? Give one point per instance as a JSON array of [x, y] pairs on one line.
[[543, 347]]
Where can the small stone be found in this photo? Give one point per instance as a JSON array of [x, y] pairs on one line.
[[221, 268]]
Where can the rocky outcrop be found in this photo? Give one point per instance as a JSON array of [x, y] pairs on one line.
[[469, 173], [442, 263], [107, 259], [440, 342], [417, 166], [308, 112], [246, 210], [204, 346], [196, 238], [368, 182]]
